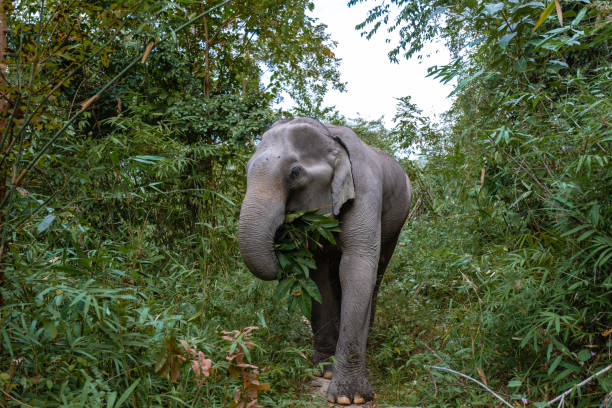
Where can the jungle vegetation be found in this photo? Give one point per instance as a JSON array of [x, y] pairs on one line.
[[124, 130]]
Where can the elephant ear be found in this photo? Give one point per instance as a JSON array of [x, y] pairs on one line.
[[342, 187]]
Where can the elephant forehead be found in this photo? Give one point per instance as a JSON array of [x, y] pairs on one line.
[[303, 139]]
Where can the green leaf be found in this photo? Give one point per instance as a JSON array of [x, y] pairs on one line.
[[554, 364], [514, 383], [306, 262], [147, 159], [311, 216], [466, 81], [305, 270], [283, 288], [313, 290], [328, 236], [576, 229], [583, 355], [126, 394], [491, 9], [286, 246], [115, 158], [548, 351], [603, 258], [545, 14], [45, 223], [520, 65], [585, 235], [291, 217], [292, 302], [224, 198], [564, 374], [261, 319], [110, 403], [579, 17], [283, 260], [305, 305], [504, 40]]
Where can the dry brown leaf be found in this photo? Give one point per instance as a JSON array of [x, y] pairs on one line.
[[88, 102], [482, 375], [147, 51], [21, 176], [559, 12]]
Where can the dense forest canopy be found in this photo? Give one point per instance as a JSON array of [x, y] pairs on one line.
[[125, 127]]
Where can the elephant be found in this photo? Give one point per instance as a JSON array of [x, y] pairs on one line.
[[303, 164]]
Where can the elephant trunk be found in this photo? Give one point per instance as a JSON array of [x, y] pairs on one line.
[[262, 213]]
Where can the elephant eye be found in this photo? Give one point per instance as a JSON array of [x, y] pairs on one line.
[[295, 171]]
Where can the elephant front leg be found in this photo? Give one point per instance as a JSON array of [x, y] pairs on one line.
[[358, 278], [325, 319]]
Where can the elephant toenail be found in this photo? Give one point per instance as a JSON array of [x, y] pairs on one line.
[[344, 400], [358, 399], [330, 399], [328, 375]]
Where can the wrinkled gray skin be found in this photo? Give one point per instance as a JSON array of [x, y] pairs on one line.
[[301, 164]]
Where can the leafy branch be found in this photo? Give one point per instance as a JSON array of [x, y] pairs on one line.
[[301, 234]]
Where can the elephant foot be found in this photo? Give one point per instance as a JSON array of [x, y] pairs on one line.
[[327, 374], [323, 360], [346, 391], [346, 400]]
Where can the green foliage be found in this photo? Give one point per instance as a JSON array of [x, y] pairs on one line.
[[516, 186], [417, 23], [302, 234], [118, 255], [413, 131]]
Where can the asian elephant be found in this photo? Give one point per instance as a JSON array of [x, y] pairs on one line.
[[302, 164]]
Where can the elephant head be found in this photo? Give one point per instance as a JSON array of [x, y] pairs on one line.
[[298, 165]]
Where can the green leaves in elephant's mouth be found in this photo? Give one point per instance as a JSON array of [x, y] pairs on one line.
[[301, 233]]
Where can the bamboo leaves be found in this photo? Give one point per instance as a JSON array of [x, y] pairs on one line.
[[532, 114], [302, 234], [547, 11], [553, 5]]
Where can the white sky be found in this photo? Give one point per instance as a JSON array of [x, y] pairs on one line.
[[372, 80]]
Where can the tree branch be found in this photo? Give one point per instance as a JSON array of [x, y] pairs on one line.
[[476, 381], [562, 396], [9, 396]]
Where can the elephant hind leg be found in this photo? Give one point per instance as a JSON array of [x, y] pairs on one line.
[[325, 319]]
